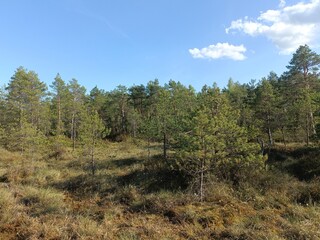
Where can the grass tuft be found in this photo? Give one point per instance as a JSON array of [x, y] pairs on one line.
[[134, 196]]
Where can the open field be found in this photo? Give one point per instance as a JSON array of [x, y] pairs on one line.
[[133, 197]]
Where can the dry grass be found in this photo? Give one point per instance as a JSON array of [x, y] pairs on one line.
[[7, 156], [130, 198]]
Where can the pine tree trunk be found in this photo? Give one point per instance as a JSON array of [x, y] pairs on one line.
[[21, 127], [202, 169], [202, 180], [73, 132], [149, 152], [310, 118], [93, 164], [270, 137], [165, 146], [134, 129], [313, 127], [307, 131], [269, 130], [261, 142], [20, 115], [59, 116], [123, 124]]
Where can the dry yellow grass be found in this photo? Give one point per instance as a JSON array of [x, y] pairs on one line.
[[60, 199]]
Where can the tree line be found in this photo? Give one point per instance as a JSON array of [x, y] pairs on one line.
[[214, 130]]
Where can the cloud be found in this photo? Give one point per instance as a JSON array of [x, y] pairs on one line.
[[287, 27], [282, 3], [220, 50]]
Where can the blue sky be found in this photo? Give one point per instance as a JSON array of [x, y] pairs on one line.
[[108, 43]]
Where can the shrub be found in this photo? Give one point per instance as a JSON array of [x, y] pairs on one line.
[[128, 195]]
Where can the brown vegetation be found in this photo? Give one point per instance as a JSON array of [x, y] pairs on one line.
[[133, 197]]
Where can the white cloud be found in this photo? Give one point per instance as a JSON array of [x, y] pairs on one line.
[[220, 50], [270, 16], [287, 27], [282, 3]]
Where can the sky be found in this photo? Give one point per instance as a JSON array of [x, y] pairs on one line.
[[108, 43]]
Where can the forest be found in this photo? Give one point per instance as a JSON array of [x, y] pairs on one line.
[[162, 162]]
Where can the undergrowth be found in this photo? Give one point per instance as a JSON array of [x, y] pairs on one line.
[[133, 195]]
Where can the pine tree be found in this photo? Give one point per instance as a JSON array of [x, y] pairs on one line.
[[97, 99], [138, 98], [266, 108], [241, 97], [164, 118], [2, 115], [301, 80], [59, 102], [91, 130], [75, 108], [116, 111], [173, 103], [25, 96], [26, 138], [215, 143]]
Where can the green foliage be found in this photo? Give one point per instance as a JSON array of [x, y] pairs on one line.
[[304, 60], [181, 141], [301, 81], [27, 139], [25, 96], [215, 143], [59, 147], [241, 97], [211, 133], [116, 110], [59, 103], [91, 128], [267, 108], [91, 131]]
